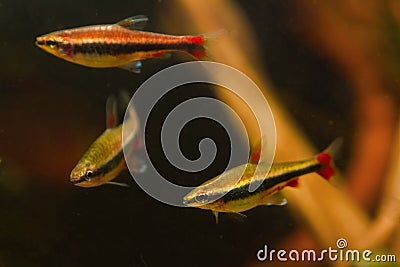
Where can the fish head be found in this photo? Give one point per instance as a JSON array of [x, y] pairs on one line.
[[84, 175], [55, 43], [203, 197], [210, 194]]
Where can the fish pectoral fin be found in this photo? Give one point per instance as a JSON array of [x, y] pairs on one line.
[[111, 112], [133, 66], [276, 199], [215, 213], [134, 23], [116, 183]]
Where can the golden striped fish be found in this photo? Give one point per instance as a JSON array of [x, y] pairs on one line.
[[104, 159], [229, 192], [117, 45]]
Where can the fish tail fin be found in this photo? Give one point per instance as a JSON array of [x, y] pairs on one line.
[[198, 48], [326, 159]]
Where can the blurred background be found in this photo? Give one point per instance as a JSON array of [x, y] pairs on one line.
[[327, 68]]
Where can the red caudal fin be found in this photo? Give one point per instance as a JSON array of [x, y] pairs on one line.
[[197, 47], [326, 158]]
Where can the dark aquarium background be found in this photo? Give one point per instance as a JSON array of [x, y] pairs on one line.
[[327, 68]]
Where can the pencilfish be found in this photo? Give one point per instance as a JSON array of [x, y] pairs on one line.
[[229, 192], [117, 45], [104, 159]]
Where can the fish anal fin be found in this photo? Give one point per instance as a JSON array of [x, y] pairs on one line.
[[133, 66], [134, 23], [111, 112], [160, 54], [199, 53], [276, 199], [293, 183]]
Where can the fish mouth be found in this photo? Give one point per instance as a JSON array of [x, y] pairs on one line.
[[77, 180], [39, 41], [186, 202], [191, 202]]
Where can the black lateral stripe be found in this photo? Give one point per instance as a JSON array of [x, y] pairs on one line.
[[129, 48], [243, 191], [109, 166]]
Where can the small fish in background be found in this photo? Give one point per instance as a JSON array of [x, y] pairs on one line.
[[117, 45], [104, 159], [229, 192]]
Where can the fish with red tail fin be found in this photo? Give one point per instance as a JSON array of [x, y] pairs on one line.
[[229, 191], [122, 44]]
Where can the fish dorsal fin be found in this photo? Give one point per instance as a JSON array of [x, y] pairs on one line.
[[134, 23], [255, 153], [276, 199], [261, 150], [111, 112]]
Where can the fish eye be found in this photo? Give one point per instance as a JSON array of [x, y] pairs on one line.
[[202, 197], [51, 43], [89, 174]]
